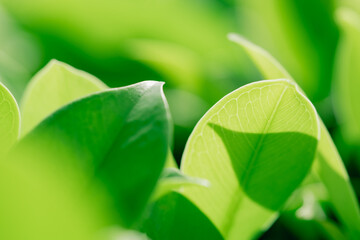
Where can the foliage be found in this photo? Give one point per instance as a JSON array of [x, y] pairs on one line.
[[217, 154]]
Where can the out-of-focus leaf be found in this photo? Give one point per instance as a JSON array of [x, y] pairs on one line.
[[41, 200], [300, 33], [201, 33], [119, 136], [329, 165], [57, 84], [236, 147], [19, 55], [347, 82], [349, 4], [173, 216], [186, 108], [267, 64], [176, 62], [9, 120]]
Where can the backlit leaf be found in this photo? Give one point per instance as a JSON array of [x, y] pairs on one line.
[[236, 147], [55, 85], [329, 165]]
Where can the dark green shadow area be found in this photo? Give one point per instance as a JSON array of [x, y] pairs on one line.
[[269, 174], [175, 217]]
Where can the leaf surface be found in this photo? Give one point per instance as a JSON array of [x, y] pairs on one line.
[[57, 84], [329, 165], [255, 146], [118, 136], [173, 216]]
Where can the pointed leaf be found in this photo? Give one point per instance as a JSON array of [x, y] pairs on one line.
[[55, 85], [329, 167], [119, 136], [236, 147]]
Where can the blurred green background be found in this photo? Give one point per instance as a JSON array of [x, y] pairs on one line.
[[184, 43]]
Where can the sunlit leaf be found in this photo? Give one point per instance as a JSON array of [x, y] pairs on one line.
[[236, 147], [55, 85], [329, 165]]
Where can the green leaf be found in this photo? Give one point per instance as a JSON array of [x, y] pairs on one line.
[[9, 120], [174, 217], [19, 55], [346, 81], [44, 201], [267, 64], [55, 85], [119, 136], [236, 147], [290, 31], [329, 165]]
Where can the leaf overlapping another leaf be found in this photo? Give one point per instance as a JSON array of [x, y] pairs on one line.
[[118, 136]]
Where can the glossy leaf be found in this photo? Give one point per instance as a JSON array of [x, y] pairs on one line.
[[329, 165], [236, 147], [9, 120], [55, 85], [119, 136]]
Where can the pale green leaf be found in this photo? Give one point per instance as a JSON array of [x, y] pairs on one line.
[[118, 136], [290, 31], [55, 85], [236, 147], [267, 64], [329, 165], [347, 85], [9, 120], [19, 55], [43, 200]]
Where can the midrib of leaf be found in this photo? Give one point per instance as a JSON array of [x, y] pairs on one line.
[[349, 217], [235, 203]]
